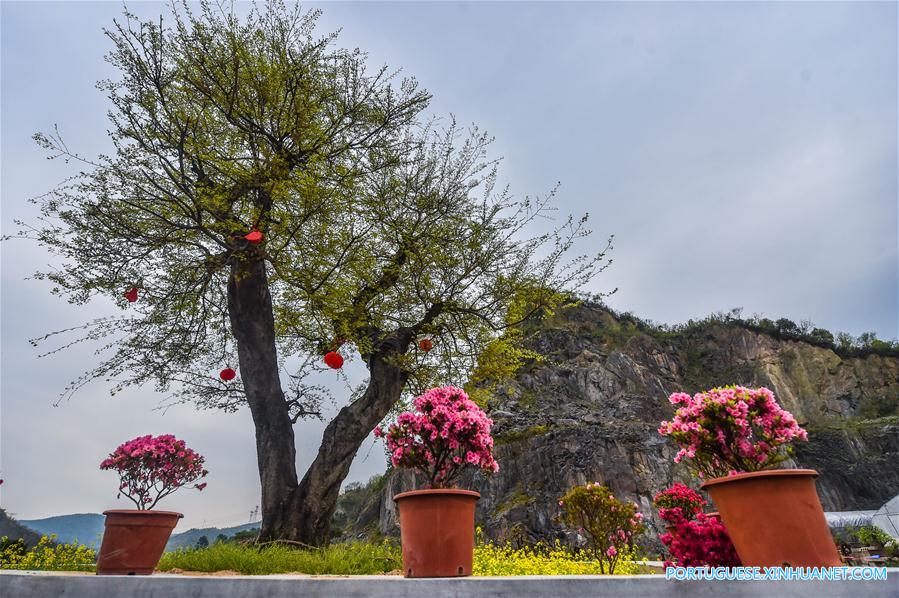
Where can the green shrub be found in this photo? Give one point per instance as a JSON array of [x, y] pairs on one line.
[[610, 525]]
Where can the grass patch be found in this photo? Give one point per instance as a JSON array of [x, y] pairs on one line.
[[351, 558], [362, 558]]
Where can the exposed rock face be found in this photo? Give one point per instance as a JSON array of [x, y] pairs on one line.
[[590, 412]]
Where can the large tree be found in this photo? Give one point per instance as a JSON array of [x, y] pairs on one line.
[[378, 227]]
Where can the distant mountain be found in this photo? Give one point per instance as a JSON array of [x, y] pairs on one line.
[[189, 538], [85, 528], [14, 530]]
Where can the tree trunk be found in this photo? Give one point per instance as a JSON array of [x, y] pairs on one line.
[[316, 496], [300, 512], [253, 326]]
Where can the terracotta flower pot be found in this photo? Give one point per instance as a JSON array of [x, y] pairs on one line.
[[774, 518], [437, 530], [134, 540]]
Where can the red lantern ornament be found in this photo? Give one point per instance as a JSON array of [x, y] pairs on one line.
[[227, 374], [333, 360], [254, 237], [131, 294], [425, 344]]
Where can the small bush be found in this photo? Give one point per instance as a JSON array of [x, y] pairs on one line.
[[610, 525]]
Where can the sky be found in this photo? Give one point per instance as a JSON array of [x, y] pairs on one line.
[[743, 155]]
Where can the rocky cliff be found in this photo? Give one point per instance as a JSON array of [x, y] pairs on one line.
[[590, 409]]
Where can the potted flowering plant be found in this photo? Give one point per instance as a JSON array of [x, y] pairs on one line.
[[150, 468], [609, 525], [734, 437], [444, 434]]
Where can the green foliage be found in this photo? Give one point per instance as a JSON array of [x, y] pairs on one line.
[[46, 556], [378, 225], [501, 358], [869, 535], [516, 499], [820, 336], [845, 344], [878, 406], [352, 558], [787, 327], [497, 364], [358, 558], [521, 434], [353, 500], [245, 536], [610, 525]]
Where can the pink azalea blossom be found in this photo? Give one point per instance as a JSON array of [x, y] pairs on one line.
[[731, 429], [445, 432], [700, 542], [152, 467]]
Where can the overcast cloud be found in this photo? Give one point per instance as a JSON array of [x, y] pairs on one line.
[[743, 154]]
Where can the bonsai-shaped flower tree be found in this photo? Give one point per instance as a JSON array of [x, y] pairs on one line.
[[152, 467], [731, 430], [443, 434], [696, 539], [609, 524]]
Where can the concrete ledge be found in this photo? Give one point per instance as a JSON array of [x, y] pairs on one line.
[[23, 584]]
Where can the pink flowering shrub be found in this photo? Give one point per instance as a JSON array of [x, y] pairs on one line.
[[701, 542], [443, 434], [695, 539], [678, 503], [152, 467], [731, 430], [609, 524]]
